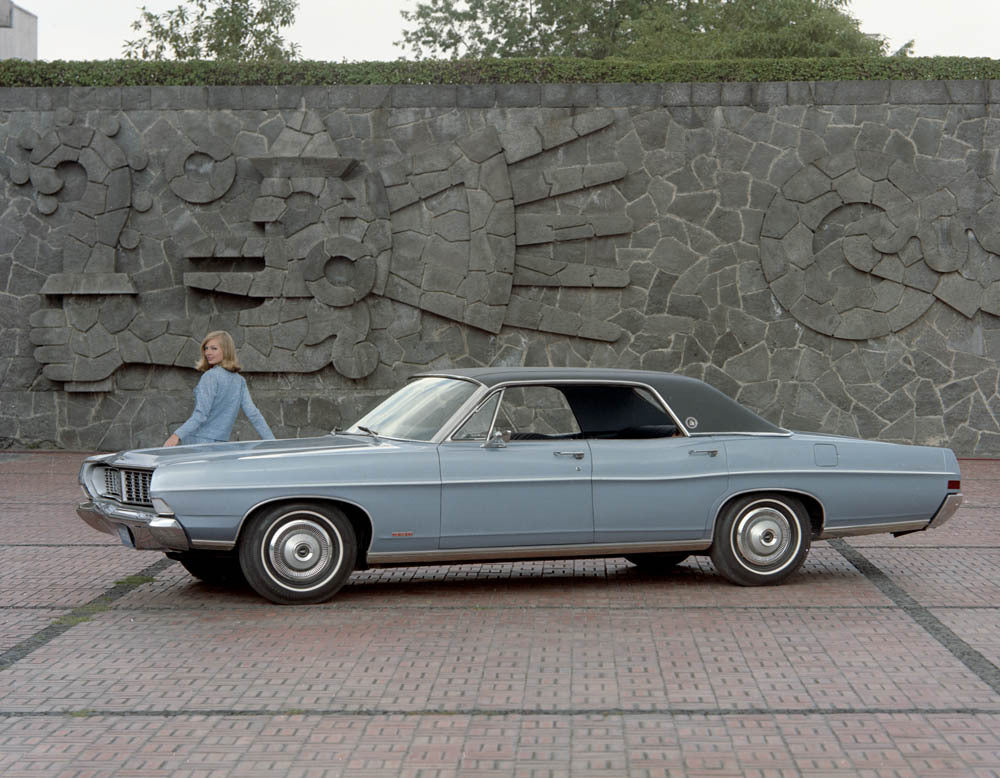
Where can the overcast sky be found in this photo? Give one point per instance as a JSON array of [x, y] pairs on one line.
[[337, 30]]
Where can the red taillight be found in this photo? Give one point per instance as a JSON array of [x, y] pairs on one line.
[[954, 485]]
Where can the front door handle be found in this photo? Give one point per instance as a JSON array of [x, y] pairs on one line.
[[704, 452], [574, 454]]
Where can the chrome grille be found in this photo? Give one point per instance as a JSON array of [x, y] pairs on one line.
[[129, 486], [112, 483]]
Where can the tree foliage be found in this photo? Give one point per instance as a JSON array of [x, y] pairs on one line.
[[750, 29], [641, 29], [590, 29], [223, 30]]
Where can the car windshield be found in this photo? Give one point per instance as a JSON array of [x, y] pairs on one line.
[[417, 411]]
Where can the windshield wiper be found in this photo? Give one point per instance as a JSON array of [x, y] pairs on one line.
[[371, 432]]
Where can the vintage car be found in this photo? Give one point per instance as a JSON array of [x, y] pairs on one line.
[[512, 463]]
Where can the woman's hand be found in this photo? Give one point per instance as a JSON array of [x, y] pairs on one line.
[[173, 440]]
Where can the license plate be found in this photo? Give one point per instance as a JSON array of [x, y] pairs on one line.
[[125, 536]]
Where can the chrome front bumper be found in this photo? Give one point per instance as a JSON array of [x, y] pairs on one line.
[[136, 528]]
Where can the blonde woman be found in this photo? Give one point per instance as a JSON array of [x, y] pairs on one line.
[[218, 397]]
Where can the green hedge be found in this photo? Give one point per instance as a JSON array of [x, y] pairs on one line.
[[15, 73]]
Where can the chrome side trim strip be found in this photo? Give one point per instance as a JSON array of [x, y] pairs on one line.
[[325, 485], [533, 552], [658, 478], [946, 511], [873, 529], [841, 471], [213, 545]]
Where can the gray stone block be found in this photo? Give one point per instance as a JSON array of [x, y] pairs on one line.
[[423, 95], [736, 94], [615, 95], [18, 99], [568, 95], [851, 92], [518, 95], [224, 98], [287, 96], [475, 95], [770, 93], [263, 98], [919, 92], [968, 91], [706, 94], [676, 94], [165, 98]]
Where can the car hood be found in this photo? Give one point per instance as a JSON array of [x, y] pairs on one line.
[[220, 452]]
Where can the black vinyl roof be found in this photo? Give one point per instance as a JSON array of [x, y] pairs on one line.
[[699, 407]]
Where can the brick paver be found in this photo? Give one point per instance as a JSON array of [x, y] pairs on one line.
[[878, 659]]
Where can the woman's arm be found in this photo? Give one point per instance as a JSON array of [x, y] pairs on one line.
[[255, 416]]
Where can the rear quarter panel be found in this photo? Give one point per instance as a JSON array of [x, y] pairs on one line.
[[859, 483]]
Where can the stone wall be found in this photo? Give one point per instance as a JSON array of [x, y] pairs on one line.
[[826, 253]]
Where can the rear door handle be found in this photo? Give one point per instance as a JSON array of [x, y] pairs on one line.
[[704, 452], [574, 454]]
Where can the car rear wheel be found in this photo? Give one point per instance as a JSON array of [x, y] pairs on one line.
[[761, 539], [298, 553], [658, 561], [212, 568]]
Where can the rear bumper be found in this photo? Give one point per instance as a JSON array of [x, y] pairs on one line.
[[140, 529], [946, 511]]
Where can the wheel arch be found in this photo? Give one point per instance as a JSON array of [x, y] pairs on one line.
[[358, 517], [811, 503]]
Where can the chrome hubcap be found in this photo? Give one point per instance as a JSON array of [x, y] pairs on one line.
[[301, 550], [764, 536]]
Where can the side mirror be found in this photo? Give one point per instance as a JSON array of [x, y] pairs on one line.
[[498, 439]]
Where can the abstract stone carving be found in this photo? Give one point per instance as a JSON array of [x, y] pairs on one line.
[[82, 169], [860, 244], [454, 230]]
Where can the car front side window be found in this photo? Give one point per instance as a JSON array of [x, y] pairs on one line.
[[536, 413]]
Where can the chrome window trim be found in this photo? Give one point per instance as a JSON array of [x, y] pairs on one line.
[[579, 382], [450, 438], [782, 434]]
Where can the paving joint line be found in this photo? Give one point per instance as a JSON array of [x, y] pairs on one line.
[[250, 608], [78, 614], [500, 712], [978, 664]]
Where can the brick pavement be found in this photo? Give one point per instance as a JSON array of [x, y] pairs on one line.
[[879, 659]]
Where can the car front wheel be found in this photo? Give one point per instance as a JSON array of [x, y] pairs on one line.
[[761, 539], [297, 554]]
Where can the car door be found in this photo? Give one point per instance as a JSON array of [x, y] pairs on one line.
[[529, 486], [659, 489]]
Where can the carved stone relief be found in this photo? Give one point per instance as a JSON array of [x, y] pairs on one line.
[[448, 230], [833, 267], [860, 244]]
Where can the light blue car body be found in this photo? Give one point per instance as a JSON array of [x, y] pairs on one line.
[[444, 500]]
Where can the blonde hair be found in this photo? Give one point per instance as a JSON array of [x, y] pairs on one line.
[[229, 359]]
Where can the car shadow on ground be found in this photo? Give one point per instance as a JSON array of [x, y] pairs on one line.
[[542, 583]]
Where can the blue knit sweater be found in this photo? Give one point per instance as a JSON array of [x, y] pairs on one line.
[[218, 397]]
